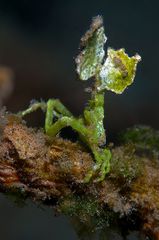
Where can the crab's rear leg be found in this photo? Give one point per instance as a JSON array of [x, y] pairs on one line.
[[54, 105], [55, 108], [52, 129], [33, 107]]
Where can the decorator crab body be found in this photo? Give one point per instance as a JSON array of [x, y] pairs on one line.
[[115, 73]]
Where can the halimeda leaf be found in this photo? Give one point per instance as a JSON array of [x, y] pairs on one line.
[[92, 43], [118, 71]]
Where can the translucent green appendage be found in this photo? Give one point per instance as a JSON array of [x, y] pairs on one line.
[[118, 71]]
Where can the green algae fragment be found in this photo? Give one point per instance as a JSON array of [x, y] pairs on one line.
[[90, 58], [118, 71], [125, 164], [88, 211], [80, 206], [143, 138]]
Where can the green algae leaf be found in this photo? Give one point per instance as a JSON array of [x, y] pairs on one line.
[[92, 43], [118, 71]]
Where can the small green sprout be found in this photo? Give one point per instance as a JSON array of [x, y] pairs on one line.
[[115, 72]]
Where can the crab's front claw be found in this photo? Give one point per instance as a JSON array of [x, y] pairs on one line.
[[101, 168]]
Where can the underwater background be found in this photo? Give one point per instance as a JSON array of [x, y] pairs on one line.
[[39, 41]]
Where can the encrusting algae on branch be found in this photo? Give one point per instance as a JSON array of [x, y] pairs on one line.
[[99, 187], [50, 170]]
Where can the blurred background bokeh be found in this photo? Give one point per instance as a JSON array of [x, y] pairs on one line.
[[39, 41]]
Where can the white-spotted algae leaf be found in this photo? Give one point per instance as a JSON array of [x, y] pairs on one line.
[[118, 71], [91, 57]]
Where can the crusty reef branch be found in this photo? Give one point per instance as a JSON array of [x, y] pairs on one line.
[[50, 170]]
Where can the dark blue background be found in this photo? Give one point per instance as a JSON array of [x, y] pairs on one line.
[[39, 40]]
